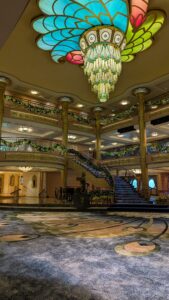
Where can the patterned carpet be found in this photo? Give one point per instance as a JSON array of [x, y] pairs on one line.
[[84, 256]]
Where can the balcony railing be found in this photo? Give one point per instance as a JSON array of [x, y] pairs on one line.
[[161, 146], [30, 145]]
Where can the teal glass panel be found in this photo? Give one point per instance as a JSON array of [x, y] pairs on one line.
[[135, 183], [65, 47], [47, 6], [151, 183], [68, 19], [113, 12], [42, 45]]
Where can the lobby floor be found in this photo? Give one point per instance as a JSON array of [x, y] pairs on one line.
[[84, 256]]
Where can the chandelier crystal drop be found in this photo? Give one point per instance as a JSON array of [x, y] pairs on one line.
[[102, 47], [102, 65]]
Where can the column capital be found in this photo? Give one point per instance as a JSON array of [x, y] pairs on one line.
[[4, 81], [65, 99], [97, 111], [141, 90]]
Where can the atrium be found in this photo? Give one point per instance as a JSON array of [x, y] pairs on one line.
[[84, 153]]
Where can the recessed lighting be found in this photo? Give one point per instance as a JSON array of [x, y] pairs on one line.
[[137, 130], [93, 141], [90, 149], [154, 106], [114, 144], [154, 134], [120, 135], [25, 129], [72, 137], [34, 92], [124, 102], [135, 138], [79, 105]]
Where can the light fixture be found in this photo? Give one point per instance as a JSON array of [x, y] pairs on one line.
[[93, 141], [25, 169], [137, 130], [102, 146], [120, 135], [25, 129], [72, 137], [90, 149], [114, 143], [154, 134], [135, 138], [79, 105], [98, 35], [136, 171], [112, 115], [154, 106], [124, 102], [34, 92]]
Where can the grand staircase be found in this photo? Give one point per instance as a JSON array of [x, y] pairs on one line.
[[95, 170], [125, 193]]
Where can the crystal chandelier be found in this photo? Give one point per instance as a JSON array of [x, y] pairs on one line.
[[98, 35], [25, 169], [102, 48]]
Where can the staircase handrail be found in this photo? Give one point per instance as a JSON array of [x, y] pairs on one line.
[[97, 168]]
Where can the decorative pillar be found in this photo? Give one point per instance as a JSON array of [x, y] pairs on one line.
[[3, 83], [97, 111], [65, 101], [140, 94]]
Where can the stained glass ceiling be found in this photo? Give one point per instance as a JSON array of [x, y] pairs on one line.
[[124, 27]]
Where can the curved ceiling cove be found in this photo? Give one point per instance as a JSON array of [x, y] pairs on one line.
[[10, 13], [99, 33]]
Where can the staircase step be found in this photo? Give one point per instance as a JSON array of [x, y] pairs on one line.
[[124, 193]]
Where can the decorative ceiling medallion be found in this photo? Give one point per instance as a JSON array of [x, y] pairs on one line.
[[97, 34]]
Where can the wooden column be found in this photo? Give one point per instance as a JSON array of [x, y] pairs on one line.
[[140, 94], [3, 83], [97, 111]]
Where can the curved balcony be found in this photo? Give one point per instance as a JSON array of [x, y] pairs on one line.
[[36, 153], [129, 156]]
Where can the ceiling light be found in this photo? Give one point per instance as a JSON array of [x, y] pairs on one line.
[[136, 171], [137, 130], [79, 105], [72, 137], [114, 143], [120, 135], [25, 129], [90, 149], [154, 134], [25, 169], [135, 138], [93, 141], [124, 102], [113, 115], [34, 92], [101, 146], [154, 106]]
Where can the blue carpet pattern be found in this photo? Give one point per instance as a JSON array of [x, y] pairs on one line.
[[84, 256]]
